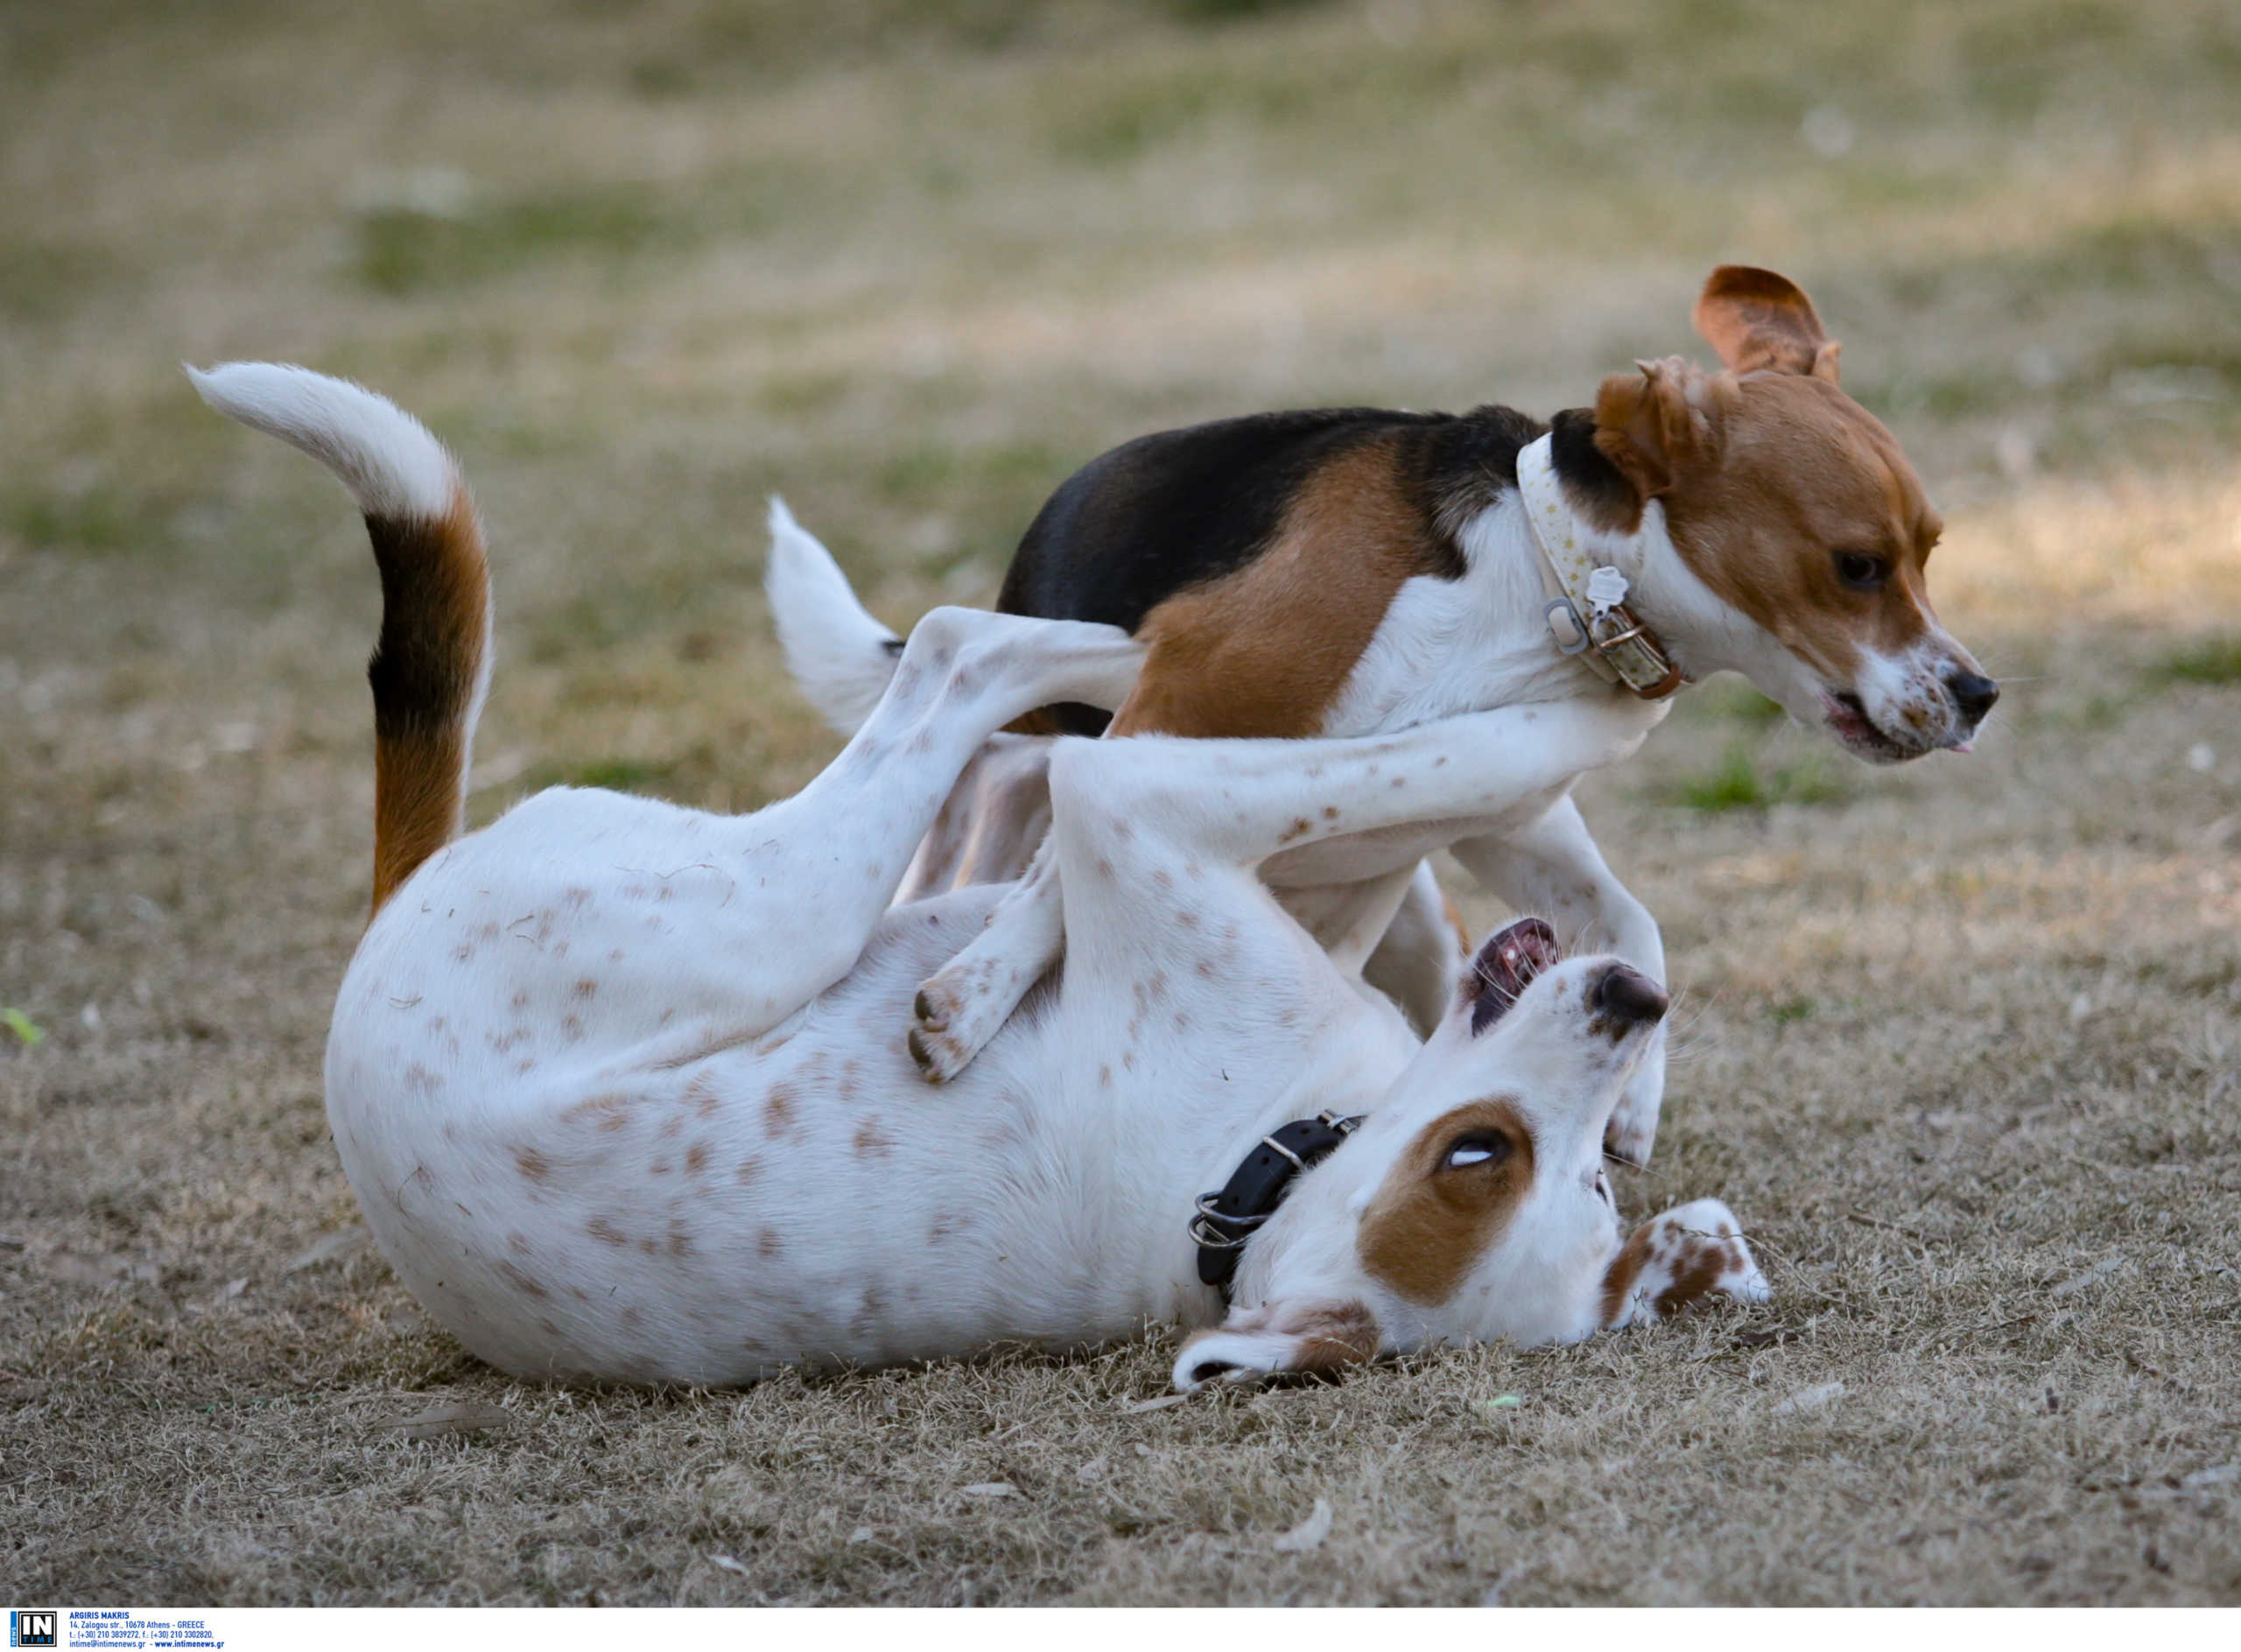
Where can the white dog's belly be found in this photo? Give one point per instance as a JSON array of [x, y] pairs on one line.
[[596, 1186]]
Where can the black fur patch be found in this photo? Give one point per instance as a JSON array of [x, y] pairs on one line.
[[1183, 508], [1599, 489], [424, 664]]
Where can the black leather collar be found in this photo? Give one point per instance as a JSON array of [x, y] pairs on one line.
[[1227, 1219]]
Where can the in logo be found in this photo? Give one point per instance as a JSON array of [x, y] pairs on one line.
[[32, 1629]]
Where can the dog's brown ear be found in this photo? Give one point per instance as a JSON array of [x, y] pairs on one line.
[[1650, 422], [1319, 1340], [1761, 322]]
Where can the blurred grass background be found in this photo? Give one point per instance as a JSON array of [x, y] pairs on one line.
[[643, 263]]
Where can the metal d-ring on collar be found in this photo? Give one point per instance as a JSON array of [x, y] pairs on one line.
[[1227, 1218], [1607, 637]]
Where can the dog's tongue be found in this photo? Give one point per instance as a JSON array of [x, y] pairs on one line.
[[1505, 965]]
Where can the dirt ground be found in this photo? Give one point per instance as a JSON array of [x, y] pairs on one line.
[[1962, 1042]]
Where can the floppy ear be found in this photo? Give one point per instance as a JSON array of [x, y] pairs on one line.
[[1319, 1341], [1653, 421], [1761, 322]]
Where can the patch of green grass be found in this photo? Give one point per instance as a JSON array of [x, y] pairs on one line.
[[2216, 660], [1729, 697], [1738, 782], [404, 250], [610, 774], [101, 518], [1791, 1010], [43, 281], [1215, 11]]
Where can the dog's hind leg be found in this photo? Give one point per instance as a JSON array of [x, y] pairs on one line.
[[987, 831], [826, 862], [1421, 956]]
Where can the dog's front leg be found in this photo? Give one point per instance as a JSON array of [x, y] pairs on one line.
[[1553, 869], [961, 1005]]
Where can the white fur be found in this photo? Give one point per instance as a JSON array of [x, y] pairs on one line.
[[617, 1084], [839, 655], [393, 468]]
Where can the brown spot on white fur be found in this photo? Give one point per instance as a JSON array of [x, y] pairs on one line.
[[778, 1110], [606, 1232], [1430, 1223], [1265, 650], [872, 1141], [1328, 1336], [533, 1164]]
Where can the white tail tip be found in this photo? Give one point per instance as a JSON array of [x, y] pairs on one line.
[[392, 465]]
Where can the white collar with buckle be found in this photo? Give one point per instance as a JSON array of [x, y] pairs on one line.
[[1587, 610]]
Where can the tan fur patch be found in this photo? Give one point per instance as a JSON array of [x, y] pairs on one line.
[[1264, 651], [1429, 1225], [1333, 1337], [1769, 472], [435, 627], [1625, 1269], [1804, 472]]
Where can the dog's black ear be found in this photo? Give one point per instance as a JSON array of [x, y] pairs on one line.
[[1762, 322], [1651, 423]]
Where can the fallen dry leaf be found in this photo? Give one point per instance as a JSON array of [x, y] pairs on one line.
[[1307, 1535], [1810, 1399], [335, 1245], [467, 1416]]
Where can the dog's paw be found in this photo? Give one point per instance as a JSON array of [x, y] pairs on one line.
[[953, 1019], [1688, 1254], [1633, 1130], [1629, 1141], [941, 1058]]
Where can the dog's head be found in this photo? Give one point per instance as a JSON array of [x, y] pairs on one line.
[[1471, 1202], [1791, 509]]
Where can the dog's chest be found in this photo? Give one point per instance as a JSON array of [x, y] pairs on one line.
[[1445, 647]]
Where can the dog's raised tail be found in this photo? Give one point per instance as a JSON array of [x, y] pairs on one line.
[[432, 664], [841, 658]]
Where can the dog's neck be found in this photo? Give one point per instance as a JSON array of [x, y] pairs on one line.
[[1698, 632]]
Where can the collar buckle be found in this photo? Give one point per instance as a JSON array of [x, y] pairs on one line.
[[1615, 644]]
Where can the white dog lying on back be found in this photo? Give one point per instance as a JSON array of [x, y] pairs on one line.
[[617, 1083]]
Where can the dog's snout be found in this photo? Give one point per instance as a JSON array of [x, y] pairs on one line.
[[1207, 1370], [1629, 994], [1974, 694]]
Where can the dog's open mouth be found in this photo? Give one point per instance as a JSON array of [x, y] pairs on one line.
[[1848, 717], [1505, 965]]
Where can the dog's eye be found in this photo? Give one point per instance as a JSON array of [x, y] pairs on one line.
[[1486, 1147], [1862, 571]]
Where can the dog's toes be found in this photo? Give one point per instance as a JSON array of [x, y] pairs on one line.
[[1628, 1143], [930, 1009], [926, 1048]]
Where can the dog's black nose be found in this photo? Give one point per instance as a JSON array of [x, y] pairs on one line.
[[1972, 693], [1628, 995]]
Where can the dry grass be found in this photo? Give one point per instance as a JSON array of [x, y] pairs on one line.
[[1962, 1041]]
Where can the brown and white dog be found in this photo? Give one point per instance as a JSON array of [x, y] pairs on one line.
[[1358, 571]]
